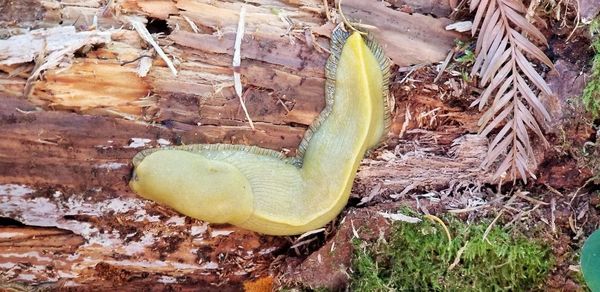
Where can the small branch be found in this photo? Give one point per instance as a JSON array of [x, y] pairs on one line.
[[135, 60], [237, 60]]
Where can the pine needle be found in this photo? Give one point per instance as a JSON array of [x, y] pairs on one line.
[[191, 24], [345, 20], [436, 219]]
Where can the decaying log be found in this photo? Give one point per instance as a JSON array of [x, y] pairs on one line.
[[420, 169], [67, 143], [392, 27], [71, 172], [439, 8]]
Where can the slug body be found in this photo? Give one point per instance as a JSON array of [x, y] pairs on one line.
[[260, 189]]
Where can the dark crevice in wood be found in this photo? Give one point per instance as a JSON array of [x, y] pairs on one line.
[[158, 26], [6, 221]]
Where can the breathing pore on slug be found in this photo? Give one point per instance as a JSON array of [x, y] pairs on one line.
[[262, 190]]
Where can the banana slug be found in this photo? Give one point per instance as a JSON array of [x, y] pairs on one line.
[[262, 190]]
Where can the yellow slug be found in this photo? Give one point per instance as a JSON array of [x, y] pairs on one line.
[[262, 190]]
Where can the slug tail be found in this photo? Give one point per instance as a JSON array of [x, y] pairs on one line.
[[338, 39]]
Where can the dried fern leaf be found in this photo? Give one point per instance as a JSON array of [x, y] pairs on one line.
[[523, 137], [490, 29], [502, 74], [497, 120], [508, 76], [495, 64], [532, 99], [508, 83], [495, 51], [496, 152], [479, 14], [533, 75], [530, 121], [525, 26], [521, 165], [489, 90], [516, 5], [473, 5], [530, 48], [507, 127], [506, 164]]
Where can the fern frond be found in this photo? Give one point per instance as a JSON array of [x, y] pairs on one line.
[[508, 77]]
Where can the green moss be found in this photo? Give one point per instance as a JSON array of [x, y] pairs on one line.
[[467, 58], [368, 271], [591, 93], [464, 58], [418, 256]]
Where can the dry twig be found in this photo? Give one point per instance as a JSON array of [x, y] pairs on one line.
[[237, 60], [436, 219]]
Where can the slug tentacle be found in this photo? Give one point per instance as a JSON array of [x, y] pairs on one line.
[[261, 189]]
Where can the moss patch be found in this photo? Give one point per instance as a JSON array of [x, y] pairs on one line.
[[418, 256], [591, 93]]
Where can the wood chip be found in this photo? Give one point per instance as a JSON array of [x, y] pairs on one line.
[[24, 48], [374, 192], [462, 26], [400, 217]]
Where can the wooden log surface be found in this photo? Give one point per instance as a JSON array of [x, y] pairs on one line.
[[69, 133]]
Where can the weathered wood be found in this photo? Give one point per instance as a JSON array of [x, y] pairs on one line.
[[425, 170], [66, 147], [439, 8], [589, 9], [392, 27], [331, 273]]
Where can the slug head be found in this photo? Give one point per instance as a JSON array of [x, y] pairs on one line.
[[209, 190]]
